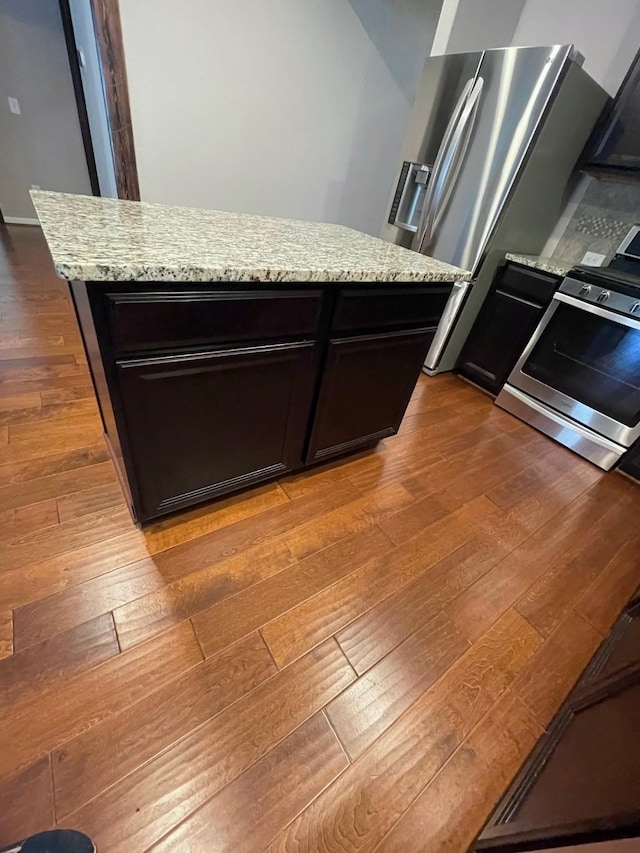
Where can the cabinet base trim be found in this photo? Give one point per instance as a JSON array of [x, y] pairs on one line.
[[235, 483], [339, 449]]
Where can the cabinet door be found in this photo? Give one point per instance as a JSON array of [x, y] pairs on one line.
[[366, 386], [499, 335], [616, 138], [201, 425]]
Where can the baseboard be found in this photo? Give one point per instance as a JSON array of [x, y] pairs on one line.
[[21, 220]]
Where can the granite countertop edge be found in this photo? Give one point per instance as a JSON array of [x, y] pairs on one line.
[[88, 273], [550, 265]]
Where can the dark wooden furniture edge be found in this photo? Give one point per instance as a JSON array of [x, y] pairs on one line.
[[626, 825], [585, 832], [90, 336]]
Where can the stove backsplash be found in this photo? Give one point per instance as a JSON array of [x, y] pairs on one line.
[[603, 214]]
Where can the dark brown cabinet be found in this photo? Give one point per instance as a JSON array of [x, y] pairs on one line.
[[200, 425], [507, 320], [615, 142], [207, 388], [366, 386], [497, 339], [582, 783]]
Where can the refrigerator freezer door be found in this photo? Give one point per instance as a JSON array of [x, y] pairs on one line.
[[495, 132]]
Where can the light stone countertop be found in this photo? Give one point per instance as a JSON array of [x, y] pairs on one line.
[[103, 239], [556, 266]]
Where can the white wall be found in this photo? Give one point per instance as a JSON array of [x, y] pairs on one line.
[[402, 31], [43, 145], [467, 25], [607, 32], [284, 108]]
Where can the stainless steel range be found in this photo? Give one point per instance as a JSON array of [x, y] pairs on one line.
[[578, 380]]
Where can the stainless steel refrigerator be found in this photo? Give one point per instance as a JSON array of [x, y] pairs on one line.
[[492, 142]]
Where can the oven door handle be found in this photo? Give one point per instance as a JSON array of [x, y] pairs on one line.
[[622, 319]]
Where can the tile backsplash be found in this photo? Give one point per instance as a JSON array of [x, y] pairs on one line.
[[604, 212]]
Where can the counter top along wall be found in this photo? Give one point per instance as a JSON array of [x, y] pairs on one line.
[[555, 266], [103, 239]]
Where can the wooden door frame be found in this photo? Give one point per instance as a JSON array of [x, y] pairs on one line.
[[108, 33]]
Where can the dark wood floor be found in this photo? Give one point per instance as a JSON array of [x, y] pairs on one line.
[[357, 658]]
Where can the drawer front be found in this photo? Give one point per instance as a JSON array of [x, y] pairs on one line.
[[149, 321], [371, 309], [537, 287]]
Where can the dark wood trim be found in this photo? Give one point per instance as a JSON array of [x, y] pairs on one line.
[[78, 90], [108, 29]]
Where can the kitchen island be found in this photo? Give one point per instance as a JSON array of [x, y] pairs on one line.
[[228, 349]]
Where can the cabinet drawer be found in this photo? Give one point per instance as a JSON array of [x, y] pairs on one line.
[[371, 309], [529, 284], [147, 321]]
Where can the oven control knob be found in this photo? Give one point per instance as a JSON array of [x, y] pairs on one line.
[[635, 308], [603, 296], [585, 290]]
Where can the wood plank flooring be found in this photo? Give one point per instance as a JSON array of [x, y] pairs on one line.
[[356, 658]]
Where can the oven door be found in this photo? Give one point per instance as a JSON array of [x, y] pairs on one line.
[[584, 361]]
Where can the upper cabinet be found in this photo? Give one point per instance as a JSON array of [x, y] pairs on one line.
[[616, 139]]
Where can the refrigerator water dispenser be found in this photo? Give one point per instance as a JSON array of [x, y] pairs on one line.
[[409, 197]]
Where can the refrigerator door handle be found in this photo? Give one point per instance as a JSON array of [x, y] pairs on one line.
[[452, 161], [459, 149], [436, 173]]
